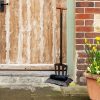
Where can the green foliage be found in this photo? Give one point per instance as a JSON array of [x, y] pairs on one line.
[[93, 54]]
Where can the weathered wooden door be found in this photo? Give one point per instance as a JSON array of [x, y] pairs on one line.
[[29, 34]]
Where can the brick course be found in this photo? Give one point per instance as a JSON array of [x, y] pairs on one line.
[[97, 4], [89, 22], [84, 28], [79, 22], [79, 47], [92, 10], [79, 10], [79, 35], [84, 4], [84, 16]]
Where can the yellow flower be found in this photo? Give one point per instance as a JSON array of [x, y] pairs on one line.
[[86, 40], [94, 49], [97, 42], [72, 84], [97, 38]]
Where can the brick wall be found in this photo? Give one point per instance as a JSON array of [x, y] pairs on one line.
[[87, 12]]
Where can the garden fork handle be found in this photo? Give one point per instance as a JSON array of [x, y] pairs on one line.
[[61, 26]]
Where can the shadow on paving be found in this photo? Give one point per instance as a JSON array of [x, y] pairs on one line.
[[38, 94]]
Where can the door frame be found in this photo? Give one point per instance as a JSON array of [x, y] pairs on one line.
[[71, 38]]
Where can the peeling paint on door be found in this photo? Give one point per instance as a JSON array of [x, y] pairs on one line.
[[29, 32]]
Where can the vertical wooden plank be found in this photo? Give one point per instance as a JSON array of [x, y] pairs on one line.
[[61, 3], [54, 31], [32, 31], [20, 34], [64, 42], [35, 19], [2, 38], [41, 36], [28, 29], [14, 30], [64, 3], [58, 3], [37, 31], [24, 18], [48, 31], [7, 28], [57, 35]]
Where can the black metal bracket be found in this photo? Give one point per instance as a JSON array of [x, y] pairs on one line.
[[2, 5]]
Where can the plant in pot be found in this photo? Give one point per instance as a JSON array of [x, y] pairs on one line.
[[92, 73]]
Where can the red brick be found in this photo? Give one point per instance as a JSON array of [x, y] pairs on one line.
[[96, 34], [79, 35], [79, 22], [84, 29], [84, 16], [80, 41], [82, 67], [91, 35], [82, 55], [80, 73], [97, 4], [80, 61], [88, 22], [92, 10], [84, 4], [79, 47], [79, 10], [81, 82]]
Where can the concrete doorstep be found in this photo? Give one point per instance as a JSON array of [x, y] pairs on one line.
[[35, 88]]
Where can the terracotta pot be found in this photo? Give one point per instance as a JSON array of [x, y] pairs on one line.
[[93, 86]]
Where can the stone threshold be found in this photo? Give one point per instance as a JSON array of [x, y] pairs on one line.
[[36, 87]]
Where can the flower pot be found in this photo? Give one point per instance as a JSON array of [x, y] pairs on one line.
[[93, 86]]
